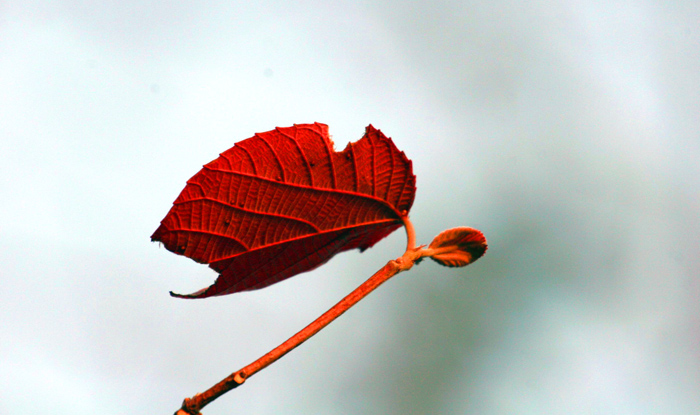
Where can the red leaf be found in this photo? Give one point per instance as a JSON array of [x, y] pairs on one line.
[[283, 202]]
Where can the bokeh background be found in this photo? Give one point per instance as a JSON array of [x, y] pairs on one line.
[[567, 131]]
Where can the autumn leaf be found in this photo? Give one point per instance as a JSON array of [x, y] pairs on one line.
[[284, 202]]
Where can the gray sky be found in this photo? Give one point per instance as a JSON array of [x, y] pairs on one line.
[[566, 131]]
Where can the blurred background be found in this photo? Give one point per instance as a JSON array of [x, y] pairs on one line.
[[567, 131]]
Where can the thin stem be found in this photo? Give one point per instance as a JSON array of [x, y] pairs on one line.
[[468, 254], [193, 405], [410, 234]]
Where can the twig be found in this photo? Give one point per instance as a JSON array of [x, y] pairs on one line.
[[192, 406]]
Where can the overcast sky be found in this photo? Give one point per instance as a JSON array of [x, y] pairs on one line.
[[567, 131]]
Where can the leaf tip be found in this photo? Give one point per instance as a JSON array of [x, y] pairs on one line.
[[197, 294]]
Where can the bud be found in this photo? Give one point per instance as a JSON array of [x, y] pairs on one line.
[[458, 247]]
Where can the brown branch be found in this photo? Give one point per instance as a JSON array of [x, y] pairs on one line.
[[192, 406]]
